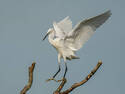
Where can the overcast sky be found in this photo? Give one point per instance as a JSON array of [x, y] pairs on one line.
[[23, 23]]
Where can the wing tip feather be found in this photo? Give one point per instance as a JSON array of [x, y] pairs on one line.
[[108, 13]]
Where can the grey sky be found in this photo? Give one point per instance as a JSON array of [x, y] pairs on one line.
[[23, 23]]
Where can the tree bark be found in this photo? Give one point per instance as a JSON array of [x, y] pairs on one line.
[[30, 81], [75, 85]]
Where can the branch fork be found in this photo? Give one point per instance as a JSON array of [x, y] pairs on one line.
[[63, 82]]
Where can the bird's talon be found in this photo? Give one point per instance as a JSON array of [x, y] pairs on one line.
[[54, 80], [50, 79], [60, 80]]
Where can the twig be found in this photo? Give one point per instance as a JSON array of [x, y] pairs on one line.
[[77, 84], [28, 86]]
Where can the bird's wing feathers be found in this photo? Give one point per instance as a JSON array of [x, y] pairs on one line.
[[62, 28], [84, 30], [58, 32], [65, 24]]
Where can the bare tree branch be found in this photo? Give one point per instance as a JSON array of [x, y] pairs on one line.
[[60, 86], [28, 86], [63, 82], [76, 84]]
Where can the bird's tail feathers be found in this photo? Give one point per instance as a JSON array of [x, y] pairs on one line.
[[72, 57]]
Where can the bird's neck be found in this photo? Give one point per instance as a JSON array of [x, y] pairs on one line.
[[51, 37]]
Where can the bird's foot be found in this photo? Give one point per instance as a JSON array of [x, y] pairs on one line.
[[50, 79], [54, 80], [61, 79]]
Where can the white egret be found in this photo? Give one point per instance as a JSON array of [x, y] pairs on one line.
[[68, 40]]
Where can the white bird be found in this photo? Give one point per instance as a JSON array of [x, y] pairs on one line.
[[68, 40]]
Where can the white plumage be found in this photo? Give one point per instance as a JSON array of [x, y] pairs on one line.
[[68, 40]]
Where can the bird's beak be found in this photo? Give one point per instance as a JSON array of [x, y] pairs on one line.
[[46, 36]]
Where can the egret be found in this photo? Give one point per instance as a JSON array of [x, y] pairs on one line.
[[67, 40]]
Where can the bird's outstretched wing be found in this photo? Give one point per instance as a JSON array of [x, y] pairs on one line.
[[58, 32], [84, 30], [65, 24], [62, 28]]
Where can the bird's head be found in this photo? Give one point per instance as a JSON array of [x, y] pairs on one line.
[[50, 30]]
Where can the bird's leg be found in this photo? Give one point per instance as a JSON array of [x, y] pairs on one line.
[[53, 78], [65, 70], [59, 58], [65, 67], [57, 71]]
